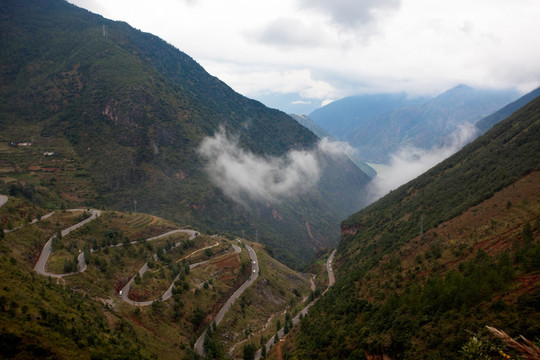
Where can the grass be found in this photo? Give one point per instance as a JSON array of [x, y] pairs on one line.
[[172, 321], [492, 225], [271, 294]]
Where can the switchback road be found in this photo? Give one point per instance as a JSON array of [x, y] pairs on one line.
[[144, 268], [304, 311], [254, 275], [47, 249]]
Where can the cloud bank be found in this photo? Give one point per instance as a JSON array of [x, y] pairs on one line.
[[409, 162], [351, 13], [242, 175], [322, 50], [336, 147]]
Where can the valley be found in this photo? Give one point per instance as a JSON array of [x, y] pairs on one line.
[[150, 211], [215, 270]]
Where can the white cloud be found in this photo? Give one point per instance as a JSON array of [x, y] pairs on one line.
[[336, 147], [321, 49], [349, 13], [242, 175], [409, 162], [286, 32], [327, 101]]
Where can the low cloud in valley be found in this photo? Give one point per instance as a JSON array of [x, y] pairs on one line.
[[409, 162], [242, 175]]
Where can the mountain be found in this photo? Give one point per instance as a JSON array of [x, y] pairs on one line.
[[306, 122], [159, 315], [487, 123], [321, 134], [114, 117], [342, 116], [422, 271], [380, 129]]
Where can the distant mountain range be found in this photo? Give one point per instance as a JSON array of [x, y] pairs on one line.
[[422, 271], [125, 114], [321, 133], [379, 125]]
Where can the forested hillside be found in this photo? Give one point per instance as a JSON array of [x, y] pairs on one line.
[[115, 116], [423, 270]]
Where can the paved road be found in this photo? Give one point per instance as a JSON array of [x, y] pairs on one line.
[[193, 234], [168, 293], [3, 200], [331, 277], [31, 222], [47, 249], [254, 275], [304, 311]]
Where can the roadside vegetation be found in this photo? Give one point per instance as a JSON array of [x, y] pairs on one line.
[[423, 271]]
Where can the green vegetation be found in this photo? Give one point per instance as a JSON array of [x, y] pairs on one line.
[[423, 297], [41, 319], [166, 328], [124, 114], [258, 311]]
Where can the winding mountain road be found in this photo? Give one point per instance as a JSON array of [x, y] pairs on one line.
[[168, 293], [304, 311], [41, 264], [4, 199], [331, 277], [199, 344], [47, 249]]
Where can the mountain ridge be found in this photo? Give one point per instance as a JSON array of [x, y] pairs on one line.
[[386, 127], [424, 269], [125, 113]]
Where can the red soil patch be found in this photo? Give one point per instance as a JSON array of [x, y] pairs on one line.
[[229, 267]]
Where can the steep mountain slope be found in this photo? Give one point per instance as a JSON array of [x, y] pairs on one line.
[[321, 133], [487, 123], [380, 128], [85, 315], [425, 268], [342, 116], [306, 122], [124, 114]]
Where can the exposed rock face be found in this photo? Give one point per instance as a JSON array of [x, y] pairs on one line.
[[350, 229]]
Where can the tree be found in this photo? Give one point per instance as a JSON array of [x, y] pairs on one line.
[[156, 306], [249, 351], [527, 233]]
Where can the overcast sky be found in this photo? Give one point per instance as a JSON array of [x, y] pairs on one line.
[[299, 54]]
